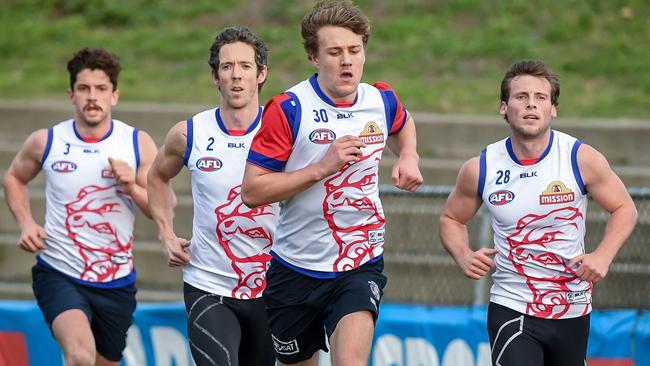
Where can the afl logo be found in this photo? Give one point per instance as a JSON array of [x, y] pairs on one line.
[[209, 164], [63, 166], [322, 136], [500, 198]]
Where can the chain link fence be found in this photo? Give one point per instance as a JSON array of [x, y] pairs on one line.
[[419, 269]]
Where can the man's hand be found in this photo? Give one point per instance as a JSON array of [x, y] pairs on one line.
[[477, 264], [123, 174], [346, 149], [31, 238], [175, 250], [592, 267], [406, 173]]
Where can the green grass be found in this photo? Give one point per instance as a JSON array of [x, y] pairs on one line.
[[441, 56]]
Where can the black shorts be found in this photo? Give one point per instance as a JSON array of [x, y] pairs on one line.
[[518, 339], [303, 309], [227, 331], [109, 311]]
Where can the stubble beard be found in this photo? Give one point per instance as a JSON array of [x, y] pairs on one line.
[[527, 133]]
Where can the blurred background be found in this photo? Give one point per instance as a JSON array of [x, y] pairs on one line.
[[441, 56], [445, 59]]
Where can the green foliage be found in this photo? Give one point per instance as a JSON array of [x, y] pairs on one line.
[[444, 56]]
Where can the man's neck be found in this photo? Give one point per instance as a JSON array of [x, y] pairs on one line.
[[238, 118], [340, 100], [529, 148], [93, 131]]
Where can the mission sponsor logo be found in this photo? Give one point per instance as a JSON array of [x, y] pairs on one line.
[[556, 193], [322, 136], [209, 164], [64, 166], [500, 198], [372, 134]]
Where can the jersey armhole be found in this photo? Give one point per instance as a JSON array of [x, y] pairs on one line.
[[188, 148], [136, 148], [481, 173], [295, 118], [48, 145], [576, 167]]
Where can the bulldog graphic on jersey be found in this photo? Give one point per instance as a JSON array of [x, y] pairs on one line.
[[357, 224], [92, 222], [533, 255], [246, 243]]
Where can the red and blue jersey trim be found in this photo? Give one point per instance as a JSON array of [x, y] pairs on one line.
[[265, 162], [396, 114], [313, 80], [274, 141], [91, 139], [222, 125], [512, 155]]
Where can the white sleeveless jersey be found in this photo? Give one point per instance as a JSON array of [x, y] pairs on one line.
[[338, 223], [230, 242], [89, 217], [538, 216]]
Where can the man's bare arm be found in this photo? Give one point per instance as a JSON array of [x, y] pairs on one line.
[[25, 166]]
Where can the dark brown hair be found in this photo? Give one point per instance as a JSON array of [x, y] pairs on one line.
[[533, 68], [338, 13], [239, 34], [94, 59]]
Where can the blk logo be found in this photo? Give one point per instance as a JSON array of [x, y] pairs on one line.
[[322, 136], [64, 166], [344, 115], [527, 175], [500, 198], [209, 164], [236, 145]]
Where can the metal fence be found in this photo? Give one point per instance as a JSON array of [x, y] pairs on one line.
[[419, 269]]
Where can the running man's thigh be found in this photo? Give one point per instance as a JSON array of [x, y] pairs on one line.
[[358, 290], [108, 312], [71, 329], [295, 305], [510, 342], [55, 294], [66, 311], [256, 346], [566, 340], [517, 338], [112, 317], [213, 328], [351, 341]]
